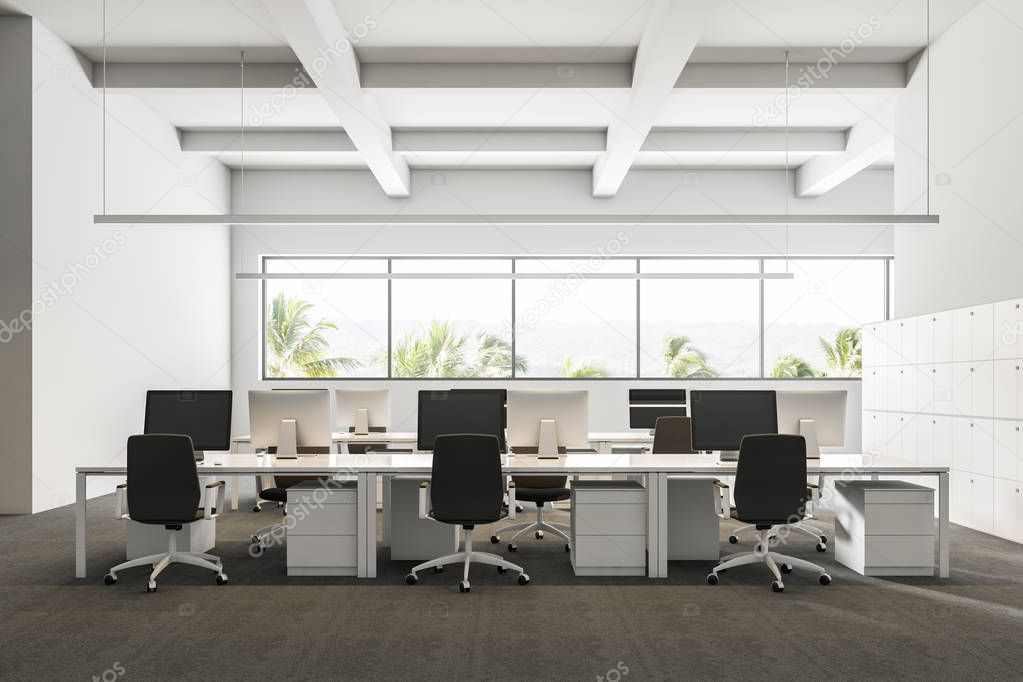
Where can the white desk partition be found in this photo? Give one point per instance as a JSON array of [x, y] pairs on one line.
[[947, 389]]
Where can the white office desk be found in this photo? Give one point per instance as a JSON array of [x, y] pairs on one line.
[[365, 468]]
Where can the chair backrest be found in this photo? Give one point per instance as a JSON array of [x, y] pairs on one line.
[[163, 483], [673, 435], [770, 478], [467, 486]]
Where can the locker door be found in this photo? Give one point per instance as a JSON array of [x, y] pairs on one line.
[[943, 394], [983, 388], [982, 445], [909, 340], [1005, 375], [962, 444], [983, 503], [942, 336], [962, 388], [962, 335], [982, 331], [1006, 450], [943, 440]]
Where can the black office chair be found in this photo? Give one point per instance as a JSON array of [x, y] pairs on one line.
[[770, 493], [466, 488], [539, 490], [278, 496], [163, 489], [673, 435]]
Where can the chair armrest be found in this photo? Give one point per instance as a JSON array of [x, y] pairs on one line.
[[424, 500], [511, 499], [120, 510], [208, 503]]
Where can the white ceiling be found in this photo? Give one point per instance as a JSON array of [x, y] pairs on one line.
[[505, 31]]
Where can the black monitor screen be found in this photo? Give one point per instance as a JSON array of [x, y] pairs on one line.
[[501, 393], [468, 411], [722, 418], [647, 404], [203, 415]]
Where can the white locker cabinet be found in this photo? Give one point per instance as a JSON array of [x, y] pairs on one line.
[[322, 525], [884, 527], [925, 445], [982, 447], [1008, 389], [942, 336], [869, 345], [943, 393], [883, 349], [924, 379], [962, 335], [942, 440], [1008, 441], [983, 388], [982, 328], [868, 388], [1008, 510], [893, 384], [983, 503], [925, 339], [893, 338], [891, 437], [872, 432], [909, 341], [1008, 329], [962, 446], [960, 497]]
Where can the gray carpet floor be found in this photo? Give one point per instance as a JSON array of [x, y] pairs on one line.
[[265, 625]]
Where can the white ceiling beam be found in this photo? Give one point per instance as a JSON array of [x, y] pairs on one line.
[[319, 38], [718, 140], [607, 76], [668, 40], [869, 140]]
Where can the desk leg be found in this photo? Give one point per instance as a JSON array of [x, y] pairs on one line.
[[657, 531], [943, 539], [604, 447], [367, 559], [385, 512], [234, 480], [80, 513]]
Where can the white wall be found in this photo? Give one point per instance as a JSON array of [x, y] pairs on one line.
[[118, 310], [488, 192], [976, 136]]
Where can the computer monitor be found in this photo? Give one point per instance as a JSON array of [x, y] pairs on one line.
[[722, 418], [290, 419], [362, 410], [819, 416], [647, 404], [442, 412], [548, 420], [205, 416], [500, 393]]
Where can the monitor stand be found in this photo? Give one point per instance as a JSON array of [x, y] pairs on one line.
[[808, 430], [362, 422], [729, 456], [287, 440], [547, 444]]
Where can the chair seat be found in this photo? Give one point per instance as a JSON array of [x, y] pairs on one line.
[[758, 522], [199, 514], [540, 495], [274, 494]]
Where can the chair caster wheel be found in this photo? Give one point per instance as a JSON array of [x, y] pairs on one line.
[[712, 579], [523, 579], [502, 570], [411, 579], [150, 588], [494, 539], [777, 586], [538, 535], [824, 579], [109, 579], [733, 540], [438, 569], [256, 508], [512, 547], [463, 586], [255, 549], [824, 539], [254, 539], [568, 547], [221, 579], [519, 509], [785, 568], [821, 547]]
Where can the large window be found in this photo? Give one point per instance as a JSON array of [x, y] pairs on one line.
[[445, 317]]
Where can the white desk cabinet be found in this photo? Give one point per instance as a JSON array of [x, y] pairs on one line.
[[609, 528], [885, 527], [322, 528]]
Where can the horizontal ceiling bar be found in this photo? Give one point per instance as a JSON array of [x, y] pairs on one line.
[[513, 219], [513, 275]]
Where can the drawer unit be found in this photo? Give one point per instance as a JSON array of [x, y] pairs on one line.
[[884, 527], [322, 528], [609, 527]]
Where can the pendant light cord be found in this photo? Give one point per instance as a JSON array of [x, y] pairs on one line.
[[788, 184], [241, 121], [103, 135]]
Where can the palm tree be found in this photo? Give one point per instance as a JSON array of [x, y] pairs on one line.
[[586, 370], [434, 350], [494, 357], [791, 366], [845, 355], [682, 359], [296, 347]]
